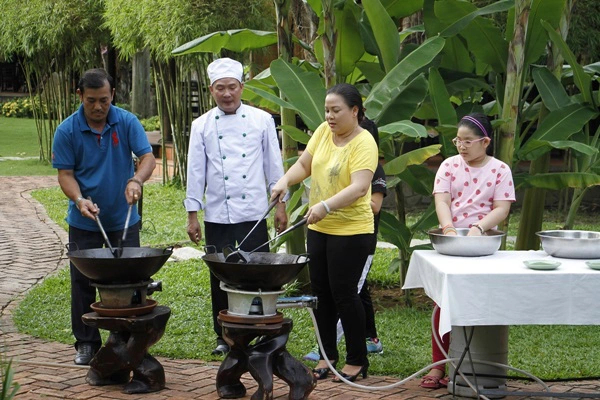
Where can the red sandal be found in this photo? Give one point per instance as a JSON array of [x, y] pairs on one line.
[[430, 382]]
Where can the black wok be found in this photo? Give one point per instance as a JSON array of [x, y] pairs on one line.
[[264, 271], [134, 265]]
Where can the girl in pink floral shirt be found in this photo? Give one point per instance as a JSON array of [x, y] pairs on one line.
[[471, 190]]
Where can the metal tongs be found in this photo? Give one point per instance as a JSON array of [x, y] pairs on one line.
[[240, 256], [122, 240], [113, 251], [232, 252]]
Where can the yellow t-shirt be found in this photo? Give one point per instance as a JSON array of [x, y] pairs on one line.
[[330, 171]]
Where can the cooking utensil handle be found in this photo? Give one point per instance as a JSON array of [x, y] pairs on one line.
[[104, 234], [127, 222], [291, 228], [210, 249], [271, 205], [305, 255], [70, 244]]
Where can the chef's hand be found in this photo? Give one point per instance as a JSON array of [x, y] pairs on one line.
[[193, 228], [88, 208], [133, 191], [281, 219], [316, 213]]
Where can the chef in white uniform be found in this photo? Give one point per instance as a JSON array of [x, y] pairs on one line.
[[234, 160]]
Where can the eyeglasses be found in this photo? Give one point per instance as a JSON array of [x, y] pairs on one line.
[[467, 143]]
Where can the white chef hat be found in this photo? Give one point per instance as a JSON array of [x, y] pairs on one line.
[[224, 68]]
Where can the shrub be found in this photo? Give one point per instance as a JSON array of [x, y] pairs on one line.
[[17, 108], [151, 124]]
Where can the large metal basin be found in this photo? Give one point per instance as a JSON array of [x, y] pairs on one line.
[[571, 244], [264, 271], [134, 265], [466, 246]]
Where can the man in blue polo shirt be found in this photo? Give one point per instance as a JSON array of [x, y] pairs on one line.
[[92, 152]]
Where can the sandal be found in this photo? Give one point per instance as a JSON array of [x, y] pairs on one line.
[[431, 382], [444, 381]]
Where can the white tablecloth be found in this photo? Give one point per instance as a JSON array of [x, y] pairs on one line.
[[500, 290]]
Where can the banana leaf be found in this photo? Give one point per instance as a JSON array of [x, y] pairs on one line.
[[558, 180], [552, 91], [384, 91], [414, 157], [303, 90], [385, 32]]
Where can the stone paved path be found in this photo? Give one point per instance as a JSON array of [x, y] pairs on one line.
[[32, 246]]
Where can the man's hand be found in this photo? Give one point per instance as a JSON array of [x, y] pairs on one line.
[[193, 228], [281, 219]]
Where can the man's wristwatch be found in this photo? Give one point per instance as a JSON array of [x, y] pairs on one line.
[[78, 201]]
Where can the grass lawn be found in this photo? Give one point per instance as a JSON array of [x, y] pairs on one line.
[[550, 352], [18, 137]]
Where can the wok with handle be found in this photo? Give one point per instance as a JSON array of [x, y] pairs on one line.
[[134, 265]]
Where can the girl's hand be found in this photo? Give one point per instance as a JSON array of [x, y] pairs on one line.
[[474, 231], [451, 233]]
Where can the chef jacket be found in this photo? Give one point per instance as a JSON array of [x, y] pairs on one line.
[[233, 160]]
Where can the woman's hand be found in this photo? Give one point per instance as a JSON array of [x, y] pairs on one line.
[[316, 213], [280, 189]]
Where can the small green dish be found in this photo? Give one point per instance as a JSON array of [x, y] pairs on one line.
[[594, 264], [542, 265]]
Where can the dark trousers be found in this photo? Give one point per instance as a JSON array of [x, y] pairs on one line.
[[82, 293], [336, 264], [221, 235]]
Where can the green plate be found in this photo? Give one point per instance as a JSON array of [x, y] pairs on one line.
[[593, 264], [542, 265]]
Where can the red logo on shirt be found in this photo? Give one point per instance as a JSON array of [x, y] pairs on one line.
[[115, 139]]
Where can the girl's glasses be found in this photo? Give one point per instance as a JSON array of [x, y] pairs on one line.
[[467, 143]]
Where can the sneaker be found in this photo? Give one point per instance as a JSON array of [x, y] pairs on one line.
[[374, 345], [313, 355]]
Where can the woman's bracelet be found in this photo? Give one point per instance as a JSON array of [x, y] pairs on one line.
[[327, 209]]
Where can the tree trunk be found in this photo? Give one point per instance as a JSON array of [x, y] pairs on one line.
[[140, 97]]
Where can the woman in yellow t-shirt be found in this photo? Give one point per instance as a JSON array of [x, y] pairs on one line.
[[341, 158]]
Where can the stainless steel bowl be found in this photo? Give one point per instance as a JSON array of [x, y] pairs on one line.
[[571, 244], [466, 246]]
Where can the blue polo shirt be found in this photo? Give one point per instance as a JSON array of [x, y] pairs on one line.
[[101, 163]]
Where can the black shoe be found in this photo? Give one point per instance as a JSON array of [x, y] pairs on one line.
[[85, 353], [322, 373], [221, 349], [362, 371]]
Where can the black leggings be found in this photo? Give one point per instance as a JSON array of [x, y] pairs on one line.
[[336, 264]]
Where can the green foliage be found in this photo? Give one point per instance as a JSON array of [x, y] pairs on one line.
[[9, 389], [17, 108], [151, 124]]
